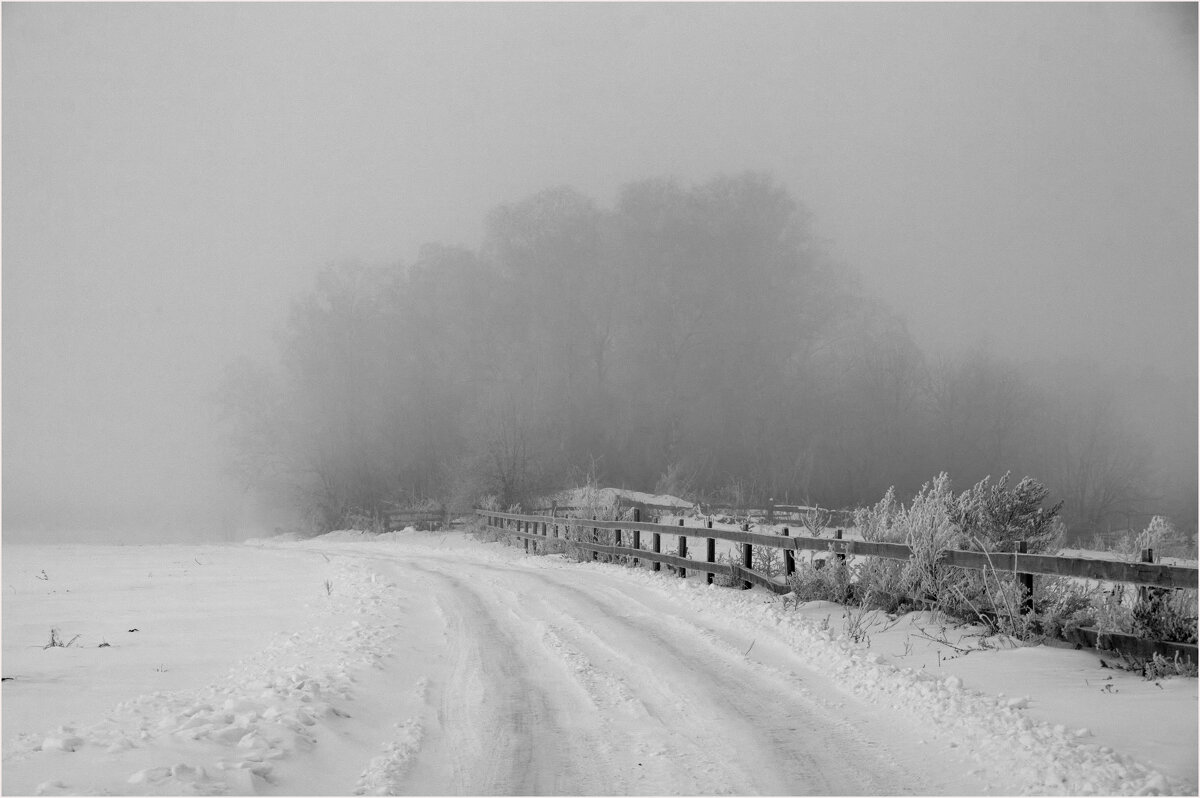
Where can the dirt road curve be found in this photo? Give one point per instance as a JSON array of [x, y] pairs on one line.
[[573, 681]]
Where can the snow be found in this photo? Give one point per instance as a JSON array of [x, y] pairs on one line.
[[432, 663], [608, 497]]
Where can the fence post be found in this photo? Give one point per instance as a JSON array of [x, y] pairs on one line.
[[656, 545], [682, 552], [637, 533], [617, 542], [1025, 580], [837, 534], [710, 553], [1143, 592], [747, 557], [789, 557], [595, 539]]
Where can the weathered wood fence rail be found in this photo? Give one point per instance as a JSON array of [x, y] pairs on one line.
[[399, 519], [540, 528]]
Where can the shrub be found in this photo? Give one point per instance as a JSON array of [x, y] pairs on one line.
[[929, 530], [1062, 605], [1168, 615], [1159, 667], [678, 480], [766, 560], [364, 521], [1150, 613], [876, 523], [888, 583], [996, 516], [832, 582], [1113, 612], [1159, 535], [816, 520], [56, 640]]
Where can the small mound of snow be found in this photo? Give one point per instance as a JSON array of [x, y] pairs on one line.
[[608, 497], [62, 741], [347, 534]]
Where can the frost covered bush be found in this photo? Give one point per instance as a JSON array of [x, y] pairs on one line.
[[1168, 615], [929, 530], [727, 579], [1160, 536], [995, 517], [678, 480], [1063, 605], [926, 526], [364, 521], [1114, 613], [1152, 613], [816, 520], [1159, 667], [986, 517], [766, 560], [876, 523], [576, 530], [832, 582], [887, 582]]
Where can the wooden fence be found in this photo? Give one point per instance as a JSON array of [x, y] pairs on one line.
[[770, 513], [400, 519], [541, 529], [773, 513]]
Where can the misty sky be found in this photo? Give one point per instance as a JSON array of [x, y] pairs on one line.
[[173, 174]]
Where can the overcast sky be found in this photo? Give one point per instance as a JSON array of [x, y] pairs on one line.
[[174, 174]]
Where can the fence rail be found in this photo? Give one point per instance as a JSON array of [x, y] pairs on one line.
[[540, 530], [399, 519], [1141, 573]]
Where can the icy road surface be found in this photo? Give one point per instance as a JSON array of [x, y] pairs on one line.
[[413, 663]]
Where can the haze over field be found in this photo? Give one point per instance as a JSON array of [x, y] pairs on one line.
[[1018, 180]]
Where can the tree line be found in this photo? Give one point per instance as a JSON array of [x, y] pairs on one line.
[[693, 340]]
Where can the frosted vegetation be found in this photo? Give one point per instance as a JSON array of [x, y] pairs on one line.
[[990, 516], [996, 517], [697, 341]]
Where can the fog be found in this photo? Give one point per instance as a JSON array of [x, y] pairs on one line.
[[1017, 180]]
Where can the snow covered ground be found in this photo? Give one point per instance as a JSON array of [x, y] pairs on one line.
[[431, 663]]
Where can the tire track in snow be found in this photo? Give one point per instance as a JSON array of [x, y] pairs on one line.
[[501, 731], [942, 738], [727, 727]]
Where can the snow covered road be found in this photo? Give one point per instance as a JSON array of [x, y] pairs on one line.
[[561, 683], [412, 663]]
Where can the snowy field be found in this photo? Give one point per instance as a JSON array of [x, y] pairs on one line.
[[430, 663]]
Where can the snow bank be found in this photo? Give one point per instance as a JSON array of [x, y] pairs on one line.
[[304, 705], [229, 737], [608, 497]]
